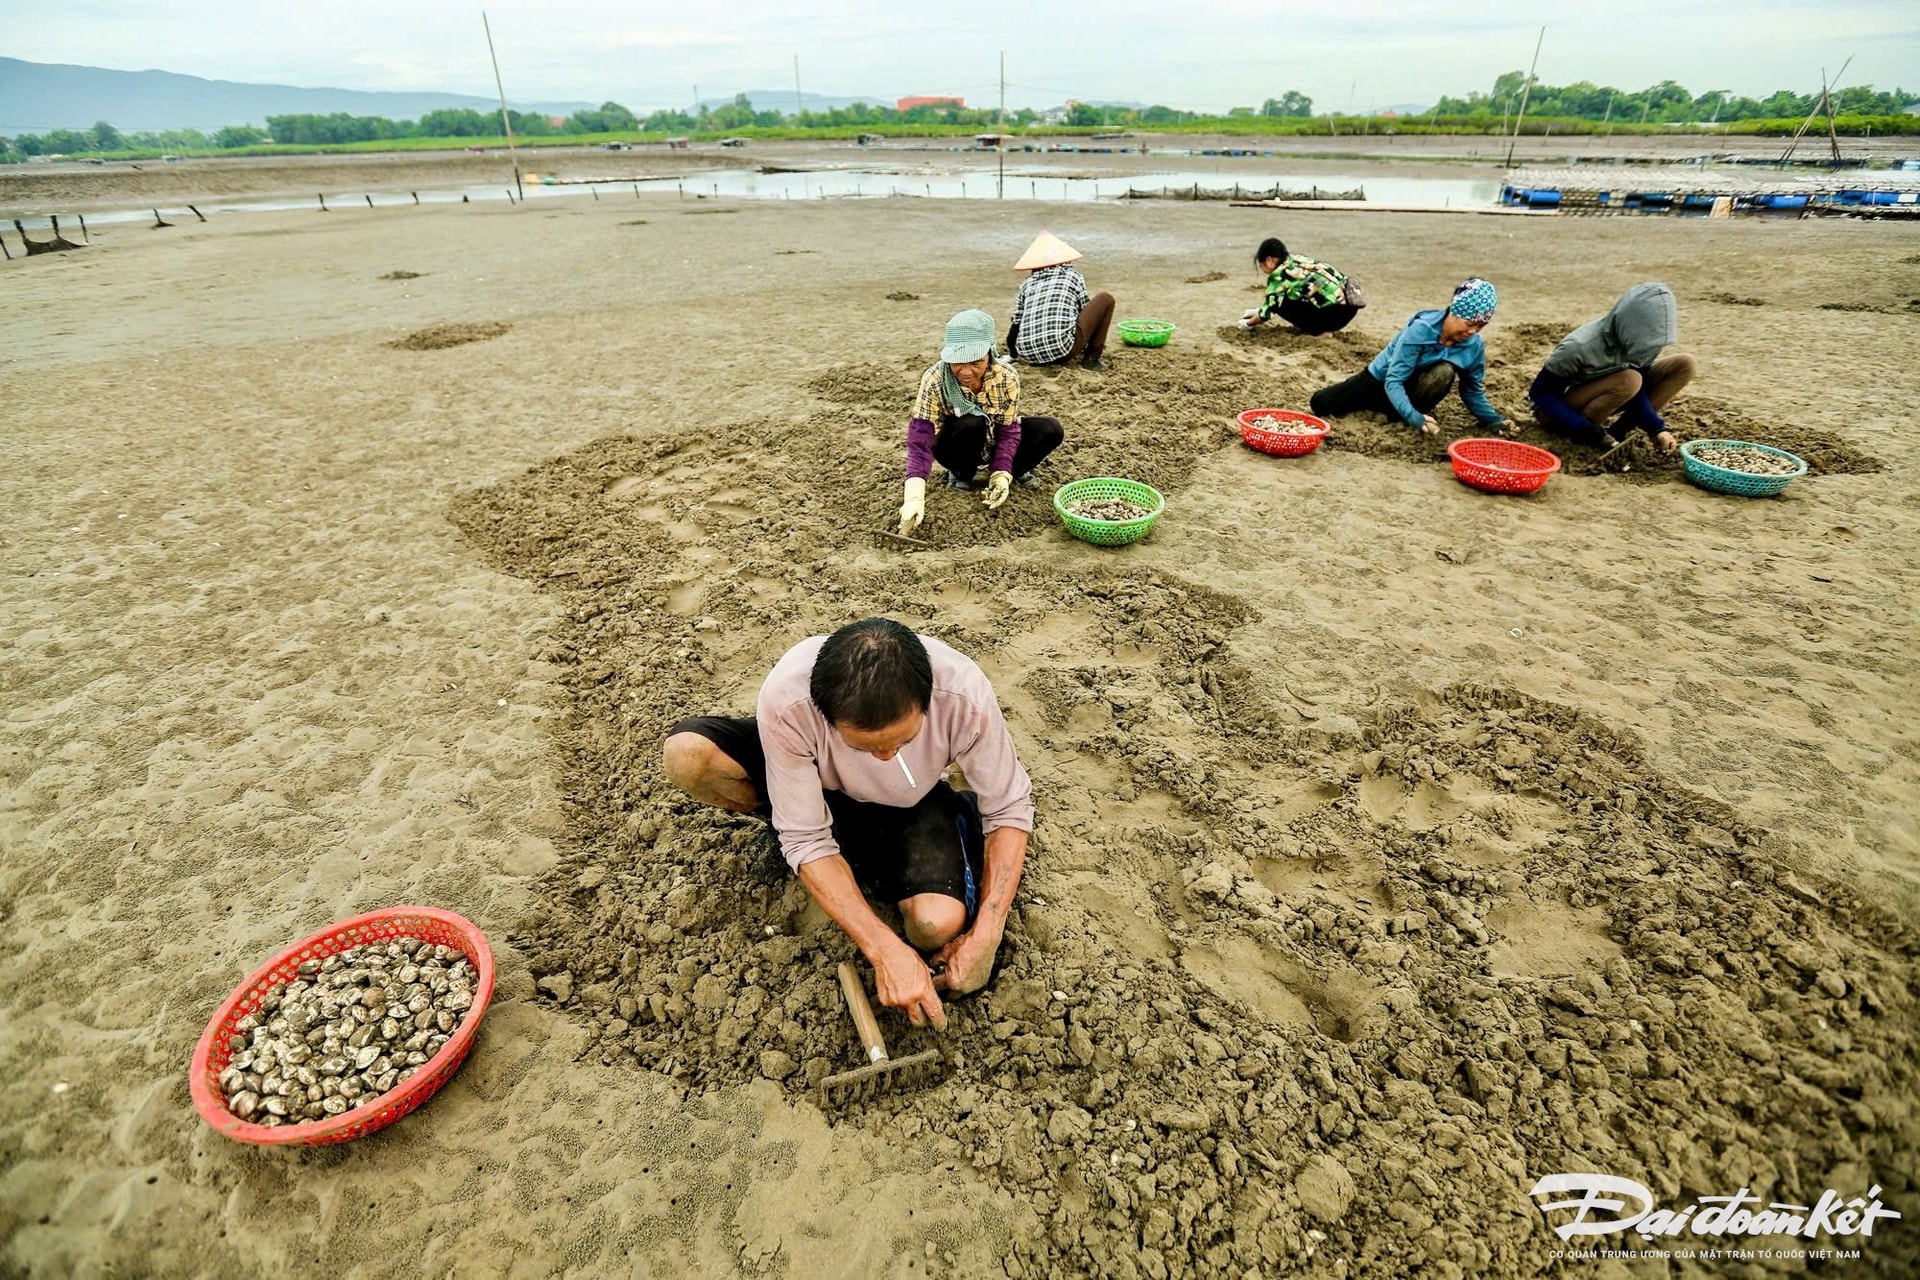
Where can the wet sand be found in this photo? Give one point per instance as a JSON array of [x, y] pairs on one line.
[[1398, 844]]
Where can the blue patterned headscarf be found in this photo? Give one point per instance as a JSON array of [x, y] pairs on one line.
[[1474, 299]]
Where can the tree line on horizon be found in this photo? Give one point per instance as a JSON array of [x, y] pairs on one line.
[[1664, 103]]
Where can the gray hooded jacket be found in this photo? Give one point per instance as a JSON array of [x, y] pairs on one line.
[[1645, 320]]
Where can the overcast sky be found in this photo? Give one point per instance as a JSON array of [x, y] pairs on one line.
[[1209, 54]]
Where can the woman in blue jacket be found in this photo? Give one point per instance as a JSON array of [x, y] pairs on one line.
[[1422, 364]]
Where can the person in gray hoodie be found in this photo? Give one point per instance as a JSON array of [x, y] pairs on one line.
[[1608, 376]]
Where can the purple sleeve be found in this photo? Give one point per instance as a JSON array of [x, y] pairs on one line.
[[1005, 442], [920, 449]]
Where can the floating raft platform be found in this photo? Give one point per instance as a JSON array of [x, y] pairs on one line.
[[1703, 192], [1238, 192]]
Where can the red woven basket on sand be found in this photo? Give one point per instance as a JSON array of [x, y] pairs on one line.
[[1501, 466], [1297, 434], [429, 924]]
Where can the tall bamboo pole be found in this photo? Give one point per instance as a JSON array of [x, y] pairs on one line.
[[506, 121], [1525, 93]]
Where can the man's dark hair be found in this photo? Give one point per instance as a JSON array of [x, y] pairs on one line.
[[1271, 247], [870, 674]]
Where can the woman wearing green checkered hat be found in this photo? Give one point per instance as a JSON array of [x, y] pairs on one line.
[[966, 417]]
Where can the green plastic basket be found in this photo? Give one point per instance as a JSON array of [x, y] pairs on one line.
[[1145, 333], [1746, 484], [1108, 533]]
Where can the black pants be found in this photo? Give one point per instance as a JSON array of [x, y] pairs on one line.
[[1311, 319], [961, 444], [936, 846], [1364, 393]]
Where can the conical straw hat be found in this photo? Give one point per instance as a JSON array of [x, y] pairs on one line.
[[1047, 250]]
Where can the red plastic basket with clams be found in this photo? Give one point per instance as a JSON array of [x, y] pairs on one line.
[[1284, 433], [428, 924]]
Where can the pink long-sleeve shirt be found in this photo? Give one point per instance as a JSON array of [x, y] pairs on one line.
[[804, 753]]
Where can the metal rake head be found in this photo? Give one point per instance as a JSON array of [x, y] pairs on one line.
[[876, 1079]]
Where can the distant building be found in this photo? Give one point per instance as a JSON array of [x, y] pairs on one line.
[[934, 100]]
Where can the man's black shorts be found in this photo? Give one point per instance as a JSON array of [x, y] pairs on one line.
[[937, 846]]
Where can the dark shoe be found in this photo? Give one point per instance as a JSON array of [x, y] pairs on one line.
[[1030, 480], [955, 482], [1094, 363]]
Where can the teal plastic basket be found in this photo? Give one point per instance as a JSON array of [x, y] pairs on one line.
[[1108, 533], [1746, 485], [1145, 333]]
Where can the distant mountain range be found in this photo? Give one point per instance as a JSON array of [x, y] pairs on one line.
[[38, 96]]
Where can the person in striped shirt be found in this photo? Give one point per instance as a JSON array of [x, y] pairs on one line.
[[1055, 319]]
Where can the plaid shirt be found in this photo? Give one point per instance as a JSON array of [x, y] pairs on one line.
[[998, 395], [1300, 277], [1047, 310]]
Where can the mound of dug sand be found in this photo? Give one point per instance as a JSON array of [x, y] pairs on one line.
[[1282, 980], [449, 335]]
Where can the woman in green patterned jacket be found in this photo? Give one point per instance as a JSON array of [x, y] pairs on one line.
[[1311, 296]]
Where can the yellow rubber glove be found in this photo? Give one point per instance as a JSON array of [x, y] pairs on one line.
[[998, 484], [913, 508]]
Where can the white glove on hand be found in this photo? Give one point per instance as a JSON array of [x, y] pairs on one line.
[[998, 485], [1250, 319], [913, 508]]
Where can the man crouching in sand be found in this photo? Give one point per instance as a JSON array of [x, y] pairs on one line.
[[848, 745]]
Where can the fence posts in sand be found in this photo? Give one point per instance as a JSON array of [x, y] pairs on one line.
[[58, 244]]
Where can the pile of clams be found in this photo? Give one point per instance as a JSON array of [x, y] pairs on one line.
[[348, 1029]]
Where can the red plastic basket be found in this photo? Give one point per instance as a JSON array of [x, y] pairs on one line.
[[1501, 466], [1300, 434], [429, 924]]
